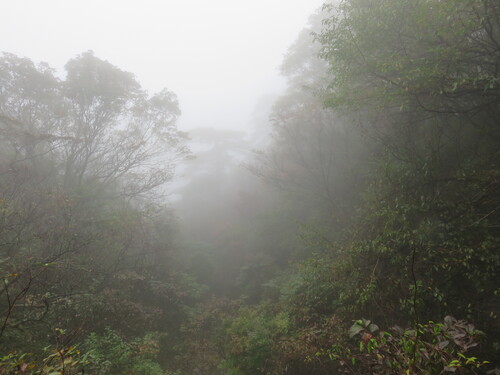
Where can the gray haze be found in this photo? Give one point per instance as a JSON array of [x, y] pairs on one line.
[[218, 56]]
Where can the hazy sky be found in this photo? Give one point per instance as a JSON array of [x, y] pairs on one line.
[[218, 56]]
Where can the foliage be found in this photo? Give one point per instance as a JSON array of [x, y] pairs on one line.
[[252, 335], [409, 215], [203, 346], [84, 242], [111, 354], [108, 353], [436, 56], [386, 149], [432, 348], [67, 361]]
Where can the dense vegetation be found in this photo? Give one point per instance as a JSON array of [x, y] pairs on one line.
[[372, 247]]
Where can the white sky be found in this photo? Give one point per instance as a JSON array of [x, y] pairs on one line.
[[218, 56]]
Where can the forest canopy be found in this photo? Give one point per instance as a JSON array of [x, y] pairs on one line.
[[361, 238]]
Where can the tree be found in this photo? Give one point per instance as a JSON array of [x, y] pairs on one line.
[[316, 151], [98, 125], [422, 79], [427, 55], [82, 239]]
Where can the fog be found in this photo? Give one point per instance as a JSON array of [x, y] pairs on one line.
[[219, 57], [273, 187]]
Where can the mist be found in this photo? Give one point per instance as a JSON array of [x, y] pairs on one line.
[[242, 188], [219, 57]]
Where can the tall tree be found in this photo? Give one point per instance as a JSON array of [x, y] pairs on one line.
[[80, 160]]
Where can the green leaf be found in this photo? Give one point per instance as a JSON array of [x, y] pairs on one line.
[[355, 329]]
